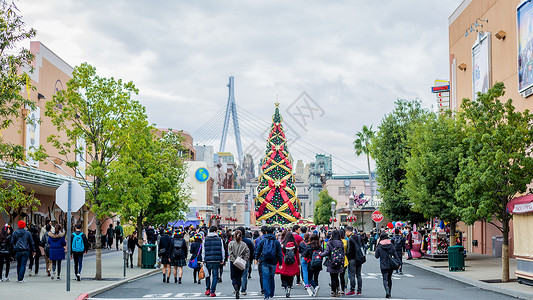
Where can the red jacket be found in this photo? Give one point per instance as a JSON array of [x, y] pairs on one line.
[[292, 269]]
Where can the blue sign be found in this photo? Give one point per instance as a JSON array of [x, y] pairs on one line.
[[201, 174]]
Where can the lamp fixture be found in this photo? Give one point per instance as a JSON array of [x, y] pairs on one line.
[[462, 66], [500, 35], [40, 96], [475, 25]]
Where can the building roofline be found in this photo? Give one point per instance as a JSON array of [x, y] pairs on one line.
[[458, 11]]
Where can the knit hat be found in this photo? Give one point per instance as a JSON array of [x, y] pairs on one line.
[[21, 224]]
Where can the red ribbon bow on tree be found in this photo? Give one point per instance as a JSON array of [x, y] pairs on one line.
[[277, 150], [277, 185]]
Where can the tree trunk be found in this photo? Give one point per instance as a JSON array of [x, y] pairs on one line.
[[370, 177], [98, 275], [505, 248], [141, 241], [453, 226]]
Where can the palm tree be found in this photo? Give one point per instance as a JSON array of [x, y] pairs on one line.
[[362, 145]]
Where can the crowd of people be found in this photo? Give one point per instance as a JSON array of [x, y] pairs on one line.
[[296, 255]]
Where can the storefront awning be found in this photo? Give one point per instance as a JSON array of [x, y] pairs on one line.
[[521, 205]]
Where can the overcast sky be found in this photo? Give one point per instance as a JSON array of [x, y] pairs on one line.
[[353, 59]]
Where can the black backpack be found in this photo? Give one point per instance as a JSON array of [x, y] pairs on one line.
[[360, 255], [177, 252], [290, 256], [316, 261]]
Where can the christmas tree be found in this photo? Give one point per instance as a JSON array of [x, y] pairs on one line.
[[277, 201]]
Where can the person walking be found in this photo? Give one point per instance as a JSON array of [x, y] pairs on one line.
[[342, 275], [302, 248], [213, 255], [314, 263], [238, 250], [179, 255], [298, 239], [5, 251], [196, 252], [80, 246], [34, 259], [165, 252], [133, 241], [399, 246], [384, 251], [225, 236], [409, 243], [46, 246], [246, 238], [119, 234], [335, 263], [356, 258], [57, 250], [269, 254], [290, 266], [257, 241], [110, 234], [22, 243]]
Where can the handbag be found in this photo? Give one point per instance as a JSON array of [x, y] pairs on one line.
[[394, 262], [240, 263], [162, 251], [193, 262], [201, 274]]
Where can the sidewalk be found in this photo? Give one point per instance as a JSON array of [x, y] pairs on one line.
[[42, 287], [480, 271]]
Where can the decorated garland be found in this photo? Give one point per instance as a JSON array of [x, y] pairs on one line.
[[277, 201]]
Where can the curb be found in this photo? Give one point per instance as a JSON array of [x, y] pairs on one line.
[[474, 282], [92, 293]]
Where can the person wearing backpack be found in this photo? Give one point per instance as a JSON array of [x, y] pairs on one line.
[[179, 255], [335, 264], [80, 245], [165, 248], [257, 241], [290, 266], [5, 250], [356, 258], [22, 244], [34, 259], [399, 246], [384, 251], [119, 234], [57, 250], [302, 247], [314, 263], [269, 254], [46, 246]]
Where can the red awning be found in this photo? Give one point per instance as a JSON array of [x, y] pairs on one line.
[[521, 205]]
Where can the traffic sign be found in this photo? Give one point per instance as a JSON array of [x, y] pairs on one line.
[[77, 194], [377, 216]]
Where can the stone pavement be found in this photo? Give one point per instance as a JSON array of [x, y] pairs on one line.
[[42, 287], [480, 270]]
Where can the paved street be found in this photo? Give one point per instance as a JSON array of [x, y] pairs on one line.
[[414, 284]]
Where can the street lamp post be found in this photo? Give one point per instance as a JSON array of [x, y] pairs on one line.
[[333, 213], [352, 198], [234, 214]]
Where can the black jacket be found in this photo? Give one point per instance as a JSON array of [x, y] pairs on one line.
[[194, 249], [165, 242], [250, 245], [383, 251], [354, 242], [5, 245], [22, 241], [399, 242], [131, 244], [183, 246]]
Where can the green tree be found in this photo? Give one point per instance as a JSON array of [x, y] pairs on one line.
[[15, 87], [390, 150], [497, 165], [147, 179], [432, 166], [323, 208], [100, 112], [362, 146]]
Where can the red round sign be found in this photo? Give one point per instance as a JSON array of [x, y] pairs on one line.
[[377, 216]]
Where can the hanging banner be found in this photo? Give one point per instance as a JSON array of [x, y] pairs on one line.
[[524, 19], [80, 157], [32, 135], [481, 73]]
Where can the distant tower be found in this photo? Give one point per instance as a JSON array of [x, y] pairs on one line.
[[231, 109]]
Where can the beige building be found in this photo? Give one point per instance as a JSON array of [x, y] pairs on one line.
[[484, 41]]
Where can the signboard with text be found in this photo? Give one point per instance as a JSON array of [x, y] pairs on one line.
[[377, 216]]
